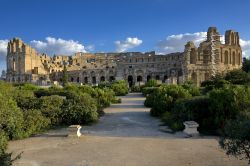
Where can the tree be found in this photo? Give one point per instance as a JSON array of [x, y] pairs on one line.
[[236, 139], [65, 75], [237, 76], [246, 65]]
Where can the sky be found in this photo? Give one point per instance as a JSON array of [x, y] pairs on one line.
[[164, 26]]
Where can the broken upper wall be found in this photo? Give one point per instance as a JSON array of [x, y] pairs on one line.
[[225, 57], [23, 59]]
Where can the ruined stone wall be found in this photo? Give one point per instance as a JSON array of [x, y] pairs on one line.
[[24, 64]]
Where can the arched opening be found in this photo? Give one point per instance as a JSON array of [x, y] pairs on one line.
[[72, 79], [111, 78], [148, 78], [165, 78], [85, 80], [78, 79], [194, 78], [102, 78], [226, 57], [130, 80], [234, 58], [207, 76], [139, 78], [94, 80], [239, 59], [157, 77], [193, 56]]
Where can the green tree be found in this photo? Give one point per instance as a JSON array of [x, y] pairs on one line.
[[246, 65], [237, 76]]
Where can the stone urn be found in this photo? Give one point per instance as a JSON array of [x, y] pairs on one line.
[[191, 128]]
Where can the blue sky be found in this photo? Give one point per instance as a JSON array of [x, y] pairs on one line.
[[118, 25]]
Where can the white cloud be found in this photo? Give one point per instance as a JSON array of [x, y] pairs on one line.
[[176, 43], [122, 46], [245, 45], [3, 49], [58, 46], [90, 48]]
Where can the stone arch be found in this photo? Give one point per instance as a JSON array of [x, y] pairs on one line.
[[226, 57], [85, 80], [111, 78], [139, 78], [72, 79], [130, 80], [92, 73], [78, 79], [93, 79], [193, 56], [148, 77], [157, 77], [165, 78], [239, 59], [234, 58], [232, 38], [194, 77], [102, 79]]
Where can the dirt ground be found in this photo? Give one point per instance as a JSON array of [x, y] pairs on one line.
[[126, 136]]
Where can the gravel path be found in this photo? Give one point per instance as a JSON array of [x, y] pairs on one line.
[[126, 136], [129, 119]]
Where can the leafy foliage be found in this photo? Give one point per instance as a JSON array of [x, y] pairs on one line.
[[79, 110], [246, 65], [236, 139], [163, 98], [120, 88]]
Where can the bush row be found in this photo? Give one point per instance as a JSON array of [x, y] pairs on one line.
[[27, 109]]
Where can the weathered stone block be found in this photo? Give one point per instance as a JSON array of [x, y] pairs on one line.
[[191, 128], [74, 131]]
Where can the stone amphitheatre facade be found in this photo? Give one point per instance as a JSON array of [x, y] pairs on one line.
[[25, 64]]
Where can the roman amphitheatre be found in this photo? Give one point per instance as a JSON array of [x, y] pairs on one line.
[[125, 134]]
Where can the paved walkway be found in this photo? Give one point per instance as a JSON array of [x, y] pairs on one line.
[[129, 119], [126, 136]]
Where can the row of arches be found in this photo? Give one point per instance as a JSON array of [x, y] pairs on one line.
[[234, 59], [139, 78], [91, 79]]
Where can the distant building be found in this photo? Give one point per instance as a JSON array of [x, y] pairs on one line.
[[24, 64]]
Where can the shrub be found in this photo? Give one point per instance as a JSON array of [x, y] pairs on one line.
[[120, 88], [164, 98], [5, 158], [236, 139], [50, 107], [26, 99], [172, 122], [34, 122], [217, 81], [237, 76], [227, 103], [195, 108], [151, 83], [136, 88], [11, 118], [80, 110], [148, 90], [192, 89], [27, 86]]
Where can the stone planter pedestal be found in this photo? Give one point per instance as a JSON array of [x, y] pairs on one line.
[[191, 128], [74, 131]]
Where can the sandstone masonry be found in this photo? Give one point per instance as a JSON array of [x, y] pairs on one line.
[[25, 64]]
